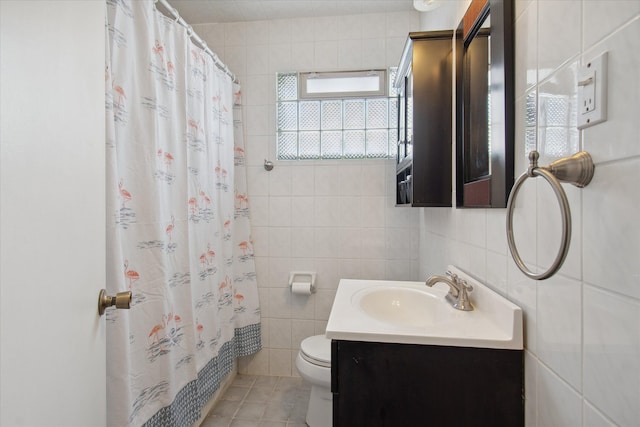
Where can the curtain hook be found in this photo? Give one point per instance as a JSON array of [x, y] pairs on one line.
[[175, 13]]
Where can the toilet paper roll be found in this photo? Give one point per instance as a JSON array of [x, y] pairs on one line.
[[301, 288]]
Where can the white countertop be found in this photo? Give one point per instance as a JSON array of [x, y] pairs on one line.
[[495, 322]]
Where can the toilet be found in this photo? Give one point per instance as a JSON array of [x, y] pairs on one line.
[[314, 364]]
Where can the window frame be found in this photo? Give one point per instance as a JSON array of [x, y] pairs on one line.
[[303, 77]]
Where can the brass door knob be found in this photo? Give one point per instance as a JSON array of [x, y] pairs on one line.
[[121, 300]]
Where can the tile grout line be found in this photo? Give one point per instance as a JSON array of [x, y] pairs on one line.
[[289, 393]]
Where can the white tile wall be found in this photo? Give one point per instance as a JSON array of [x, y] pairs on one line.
[[582, 327], [557, 47], [558, 404], [333, 217], [611, 350]]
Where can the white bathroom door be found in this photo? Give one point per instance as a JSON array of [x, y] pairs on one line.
[[52, 213]]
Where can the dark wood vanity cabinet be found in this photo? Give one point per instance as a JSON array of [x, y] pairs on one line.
[[383, 384], [424, 86]]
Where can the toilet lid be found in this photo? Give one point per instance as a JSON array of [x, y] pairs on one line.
[[316, 350]]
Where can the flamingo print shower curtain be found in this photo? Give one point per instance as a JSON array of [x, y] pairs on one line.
[[177, 222]]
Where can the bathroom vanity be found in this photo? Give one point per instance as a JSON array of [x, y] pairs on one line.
[[401, 355], [387, 384]]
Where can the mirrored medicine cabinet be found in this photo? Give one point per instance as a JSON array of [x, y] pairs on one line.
[[485, 105]]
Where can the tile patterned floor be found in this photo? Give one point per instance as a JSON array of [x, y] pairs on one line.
[[259, 401]]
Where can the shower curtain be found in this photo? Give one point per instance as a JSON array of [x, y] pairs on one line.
[[177, 222]]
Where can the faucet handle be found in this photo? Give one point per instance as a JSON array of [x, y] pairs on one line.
[[465, 285], [452, 276], [463, 302]]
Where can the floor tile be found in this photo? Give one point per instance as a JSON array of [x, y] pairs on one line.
[[216, 421], [261, 401]]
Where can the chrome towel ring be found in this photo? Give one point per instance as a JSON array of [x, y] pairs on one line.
[[577, 170]]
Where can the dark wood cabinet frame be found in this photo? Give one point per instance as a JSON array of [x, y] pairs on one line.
[[427, 60], [484, 181]]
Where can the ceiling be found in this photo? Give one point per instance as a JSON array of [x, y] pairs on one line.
[[216, 11]]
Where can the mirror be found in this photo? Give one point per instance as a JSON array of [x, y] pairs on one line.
[[485, 105]]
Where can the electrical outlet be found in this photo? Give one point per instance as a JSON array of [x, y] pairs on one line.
[[592, 92]]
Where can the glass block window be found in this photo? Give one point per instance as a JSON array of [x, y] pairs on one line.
[[340, 126]]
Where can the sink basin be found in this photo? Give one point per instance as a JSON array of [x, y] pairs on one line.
[[399, 305], [412, 313]]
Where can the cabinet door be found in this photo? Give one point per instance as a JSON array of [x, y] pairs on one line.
[[432, 121], [425, 120], [379, 385], [383, 384]]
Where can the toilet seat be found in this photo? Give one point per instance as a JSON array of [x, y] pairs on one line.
[[316, 350], [314, 364]]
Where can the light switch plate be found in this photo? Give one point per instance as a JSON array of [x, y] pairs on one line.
[[592, 92]]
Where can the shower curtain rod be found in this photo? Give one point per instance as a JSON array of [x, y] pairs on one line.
[[196, 38]]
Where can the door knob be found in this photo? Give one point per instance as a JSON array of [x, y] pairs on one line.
[[121, 300]]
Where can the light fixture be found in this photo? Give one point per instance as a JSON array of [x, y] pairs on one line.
[[426, 5]]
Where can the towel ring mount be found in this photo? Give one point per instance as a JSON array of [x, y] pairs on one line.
[[577, 170]]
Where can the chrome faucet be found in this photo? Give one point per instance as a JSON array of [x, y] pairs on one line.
[[458, 288]]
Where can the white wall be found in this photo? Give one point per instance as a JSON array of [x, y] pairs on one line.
[[334, 217], [583, 325]]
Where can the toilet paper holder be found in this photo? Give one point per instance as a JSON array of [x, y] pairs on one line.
[[303, 276]]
